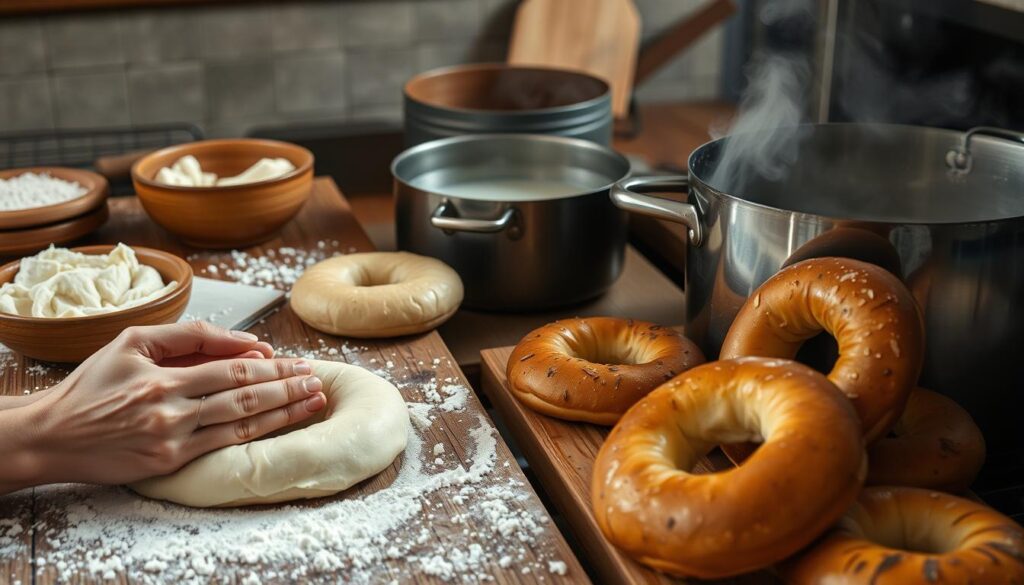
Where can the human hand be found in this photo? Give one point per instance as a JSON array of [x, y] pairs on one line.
[[136, 408]]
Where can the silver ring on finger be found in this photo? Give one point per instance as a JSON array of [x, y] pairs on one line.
[[199, 412]]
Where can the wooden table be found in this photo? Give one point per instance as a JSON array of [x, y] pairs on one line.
[[325, 218], [562, 453], [641, 292]]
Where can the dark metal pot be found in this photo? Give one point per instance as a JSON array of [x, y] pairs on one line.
[[514, 253], [942, 209], [498, 98]]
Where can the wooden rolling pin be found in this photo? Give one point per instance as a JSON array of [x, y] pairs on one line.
[[117, 167]]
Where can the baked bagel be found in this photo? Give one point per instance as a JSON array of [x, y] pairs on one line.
[[594, 369], [934, 445], [377, 294], [872, 316], [798, 483], [909, 536]]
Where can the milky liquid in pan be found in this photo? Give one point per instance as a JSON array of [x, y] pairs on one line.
[[476, 184]]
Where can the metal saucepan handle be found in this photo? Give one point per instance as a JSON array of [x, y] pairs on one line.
[[446, 218], [959, 158], [626, 194]]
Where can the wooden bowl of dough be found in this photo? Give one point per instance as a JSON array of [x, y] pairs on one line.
[[97, 189], [72, 339], [225, 217]]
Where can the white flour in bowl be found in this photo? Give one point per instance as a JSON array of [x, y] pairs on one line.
[[29, 190]]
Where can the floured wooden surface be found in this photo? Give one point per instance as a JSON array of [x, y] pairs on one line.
[[454, 507]]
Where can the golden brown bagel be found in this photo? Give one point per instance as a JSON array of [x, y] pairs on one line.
[[909, 536], [801, 480], [934, 445], [873, 317], [594, 369]]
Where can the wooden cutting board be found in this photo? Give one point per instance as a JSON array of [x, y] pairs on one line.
[[600, 37], [561, 454]]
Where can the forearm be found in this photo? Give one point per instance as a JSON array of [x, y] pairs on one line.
[[23, 465], [9, 402]]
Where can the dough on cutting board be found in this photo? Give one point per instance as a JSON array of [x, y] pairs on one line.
[[58, 282], [358, 434]]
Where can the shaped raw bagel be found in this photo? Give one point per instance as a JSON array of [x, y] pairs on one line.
[[377, 294], [798, 483], [594, 369], [358, 434], [908, 536], [934, 445], [873, 317]]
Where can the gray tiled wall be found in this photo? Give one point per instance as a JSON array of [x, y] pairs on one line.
[[232, 67]]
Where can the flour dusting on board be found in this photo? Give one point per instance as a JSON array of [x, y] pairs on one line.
[[105, 531], [276, 268]]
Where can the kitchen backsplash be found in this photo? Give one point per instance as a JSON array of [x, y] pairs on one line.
[[232, 67]]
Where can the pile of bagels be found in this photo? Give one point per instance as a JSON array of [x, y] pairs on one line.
[[804, 444]]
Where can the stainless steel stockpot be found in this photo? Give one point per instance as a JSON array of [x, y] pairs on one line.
[[942, 209], [511, 253], [489, 98]]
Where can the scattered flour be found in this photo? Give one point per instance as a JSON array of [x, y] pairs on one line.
[[278, 268], [106, 531]]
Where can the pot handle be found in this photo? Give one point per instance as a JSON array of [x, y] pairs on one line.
[[959, 158], [445, 218], [626, 195]]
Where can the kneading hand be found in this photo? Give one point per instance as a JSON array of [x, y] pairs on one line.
[[152, 400]]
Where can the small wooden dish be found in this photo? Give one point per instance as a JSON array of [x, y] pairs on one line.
[[225, 217], [98, 189], [73, 339], [30, 240]]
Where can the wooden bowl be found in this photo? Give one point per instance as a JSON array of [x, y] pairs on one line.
[[72, 339], [225, 217], [34, 239], [97, 186]]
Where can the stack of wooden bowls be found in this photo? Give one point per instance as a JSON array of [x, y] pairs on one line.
[[26, 231]]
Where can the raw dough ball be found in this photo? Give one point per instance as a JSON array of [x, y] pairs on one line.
[[377, 294], [362, 429]]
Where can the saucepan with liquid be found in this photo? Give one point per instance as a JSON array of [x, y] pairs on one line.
[[525, 219], [944, 210]]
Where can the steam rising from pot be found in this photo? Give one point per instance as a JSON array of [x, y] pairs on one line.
[[765, 138]]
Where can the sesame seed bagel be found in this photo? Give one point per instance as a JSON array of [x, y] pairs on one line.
[[594, 369], [910, 536], [796, 485], [869, 312]]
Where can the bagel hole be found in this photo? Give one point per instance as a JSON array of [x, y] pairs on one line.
[[906, 538], [607, 353], [373, 280], [819, 352]]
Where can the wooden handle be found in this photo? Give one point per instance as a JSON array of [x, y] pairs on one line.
[[118, 166], [683, 34]]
